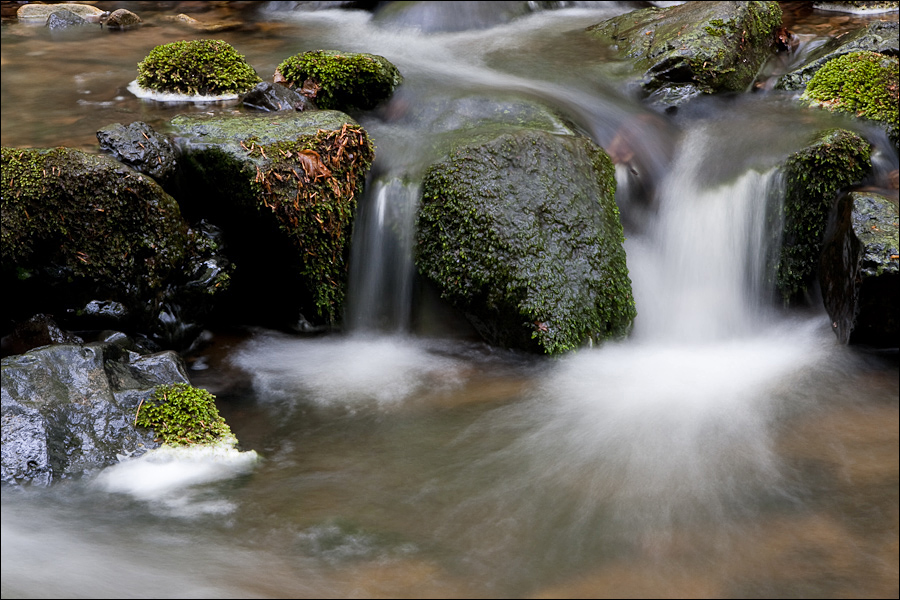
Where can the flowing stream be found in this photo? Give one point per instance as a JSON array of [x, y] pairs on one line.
[[727, 448]]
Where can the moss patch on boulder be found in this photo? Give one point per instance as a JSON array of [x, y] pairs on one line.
[[813, 176], [347, 81], [196, 67], [864, 84], [181, 414]]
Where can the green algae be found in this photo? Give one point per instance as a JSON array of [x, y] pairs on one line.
[[347, 80], [196, 67]]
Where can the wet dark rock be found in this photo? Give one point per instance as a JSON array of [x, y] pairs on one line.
[[283, 188], [123, 19], [82, 230], [140, 147], [834, 160], [859, 271], [707, 46], [534, 262], [64, 19], [68, 410], [274, 97], [39, 330], [880, 36]]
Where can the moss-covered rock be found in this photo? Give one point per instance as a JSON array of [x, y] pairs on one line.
[[696, 47], [196, 67], [284, 189], [181, 414], [813, 176], [347, 81], [880, 36], [864, 84], [518, 228], [859, 271]]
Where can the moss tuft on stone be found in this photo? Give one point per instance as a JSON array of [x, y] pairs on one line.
[[181, 415], [196, 67], [347, 81], [864, 84]]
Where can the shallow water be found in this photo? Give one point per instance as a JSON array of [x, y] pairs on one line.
[[725, 450]]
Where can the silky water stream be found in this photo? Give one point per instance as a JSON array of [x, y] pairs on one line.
[[725, 449]]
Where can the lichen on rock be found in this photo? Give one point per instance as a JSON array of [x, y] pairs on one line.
[[347, 81], [196, 68]]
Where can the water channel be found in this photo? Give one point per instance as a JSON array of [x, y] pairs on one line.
[[727, 448]]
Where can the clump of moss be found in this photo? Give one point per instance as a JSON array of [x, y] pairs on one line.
[[864, 84], [835, 160], [196, 67], [181, 415], [345, 80]]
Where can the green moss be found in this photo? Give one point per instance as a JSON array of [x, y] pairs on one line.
[[181, 415], [90, 218], [864, 84], [813, 176], [347, 80], [196, 67]]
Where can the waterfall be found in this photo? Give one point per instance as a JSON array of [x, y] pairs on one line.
[[704, 271], [381, 263]]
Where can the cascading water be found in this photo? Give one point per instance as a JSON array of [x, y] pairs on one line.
[[722, 450]]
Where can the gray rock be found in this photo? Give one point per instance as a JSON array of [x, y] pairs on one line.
[[274, 97], [139, 146], [68, 410], [859, 271], [123, 19], [64, 19]]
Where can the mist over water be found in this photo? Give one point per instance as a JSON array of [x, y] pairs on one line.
[[725, 449]]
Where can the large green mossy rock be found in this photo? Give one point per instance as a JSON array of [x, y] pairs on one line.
[[860, 273], [694, 48], [519, 230], [862, 84], [284, 189], [79, 228], [880, 36], [834, 160], [347, 81]]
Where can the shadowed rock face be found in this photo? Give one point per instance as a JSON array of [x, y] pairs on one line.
[[519, 230], [694, 48], [859, 271]]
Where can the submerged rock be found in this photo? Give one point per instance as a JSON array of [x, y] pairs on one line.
[[345, 81], [284, 190], [694, 48], [860, 273], [814, 175], [519, 230], [68, 410]]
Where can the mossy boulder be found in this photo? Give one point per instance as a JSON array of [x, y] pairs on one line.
[[196, 68], [694, 48], [519, 230], [69, 409], [859, 271], [346, 81], [284, 189], [834, 160], [78, 228], [863, 84], [880, 36]]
